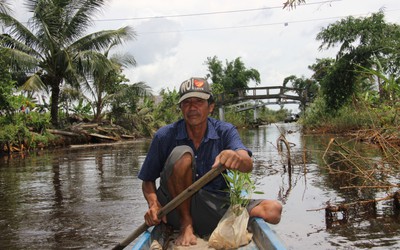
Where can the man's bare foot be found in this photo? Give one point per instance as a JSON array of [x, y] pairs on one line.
[[186, 237]]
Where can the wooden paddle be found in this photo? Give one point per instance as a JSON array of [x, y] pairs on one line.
[[188, 192]]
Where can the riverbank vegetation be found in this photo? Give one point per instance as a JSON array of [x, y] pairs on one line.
[[360, 88], [358, 95], [54, 76]]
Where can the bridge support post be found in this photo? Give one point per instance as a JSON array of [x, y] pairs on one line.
[[255, 114], [221, 113]]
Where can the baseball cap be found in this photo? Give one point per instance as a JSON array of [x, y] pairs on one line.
[[194, 87]]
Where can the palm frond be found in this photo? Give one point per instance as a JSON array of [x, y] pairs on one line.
[[18, 31], [9, 42], [72, 93], [80, 15], [100, 41], [291, 4], [33, 84], [5, 6], [20, 60], [142, 89], [91, 62], [125, 60]]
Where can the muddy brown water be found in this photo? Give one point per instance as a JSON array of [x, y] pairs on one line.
[[90, 198]]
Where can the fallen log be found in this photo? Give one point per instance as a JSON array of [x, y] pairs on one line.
[[87, 125], [61, 132], [96, 145], [108, 144], [128, 136], [104, 137]]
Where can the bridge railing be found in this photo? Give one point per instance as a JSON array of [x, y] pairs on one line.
[[276, 92]]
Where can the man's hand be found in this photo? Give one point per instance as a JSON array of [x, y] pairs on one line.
[[149, 192], [235, 160], [151, 217]]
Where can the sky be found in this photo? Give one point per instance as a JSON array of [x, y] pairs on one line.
[[174, 38]]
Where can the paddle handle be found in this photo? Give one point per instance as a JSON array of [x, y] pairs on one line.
[[141, 229], [188, 192]]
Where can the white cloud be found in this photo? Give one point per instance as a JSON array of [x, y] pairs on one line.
[[174, 47], [154, 46]]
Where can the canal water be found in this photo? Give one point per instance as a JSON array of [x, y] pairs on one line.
[[90, 197]]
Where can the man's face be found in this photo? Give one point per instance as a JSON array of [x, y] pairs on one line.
[[195, 110]]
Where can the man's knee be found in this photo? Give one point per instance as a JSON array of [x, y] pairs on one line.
[[276, 211], [185, 162], [269, 210], [179, 153]]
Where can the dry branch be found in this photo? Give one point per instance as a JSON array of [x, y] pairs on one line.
[[281, 139], [345, 206]]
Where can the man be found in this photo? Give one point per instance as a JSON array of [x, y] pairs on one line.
[[184, 151]]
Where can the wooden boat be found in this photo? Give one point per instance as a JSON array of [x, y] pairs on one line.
[[263, 238]]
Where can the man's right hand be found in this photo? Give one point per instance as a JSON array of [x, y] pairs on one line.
[[149, 191], [151, 217]]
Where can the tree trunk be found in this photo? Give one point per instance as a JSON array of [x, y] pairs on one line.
[[98, 109], [55, 96]]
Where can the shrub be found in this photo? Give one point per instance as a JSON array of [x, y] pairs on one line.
[[38, 122]]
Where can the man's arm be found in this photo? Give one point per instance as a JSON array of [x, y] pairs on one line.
[[235, 160], [149, 192]]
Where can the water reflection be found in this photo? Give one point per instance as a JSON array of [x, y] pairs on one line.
[[75, 199], [308, 187], [91, 197]]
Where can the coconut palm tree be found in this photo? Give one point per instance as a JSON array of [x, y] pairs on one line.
[[53, 48], [102, 83]]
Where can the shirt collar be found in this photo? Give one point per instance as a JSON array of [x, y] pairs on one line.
[[211, 132]]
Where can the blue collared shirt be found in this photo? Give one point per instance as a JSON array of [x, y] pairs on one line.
[[219, 136]]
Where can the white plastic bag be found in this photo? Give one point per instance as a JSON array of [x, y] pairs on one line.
[[231, 231]]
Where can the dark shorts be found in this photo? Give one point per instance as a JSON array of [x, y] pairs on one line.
[[207, 208]]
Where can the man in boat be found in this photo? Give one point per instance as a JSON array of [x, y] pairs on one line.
[[182, 152]]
